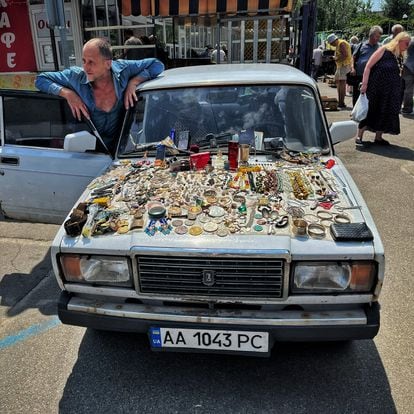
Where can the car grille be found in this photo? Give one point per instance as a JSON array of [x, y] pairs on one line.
[[223, 277]]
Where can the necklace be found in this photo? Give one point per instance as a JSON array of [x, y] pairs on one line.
[[400, 62]]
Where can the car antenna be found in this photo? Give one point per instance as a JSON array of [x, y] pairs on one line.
[[98, 135]]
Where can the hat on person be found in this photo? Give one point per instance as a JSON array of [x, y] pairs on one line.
[[331, 38]]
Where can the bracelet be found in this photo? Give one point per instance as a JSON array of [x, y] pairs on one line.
[[326, 223], [316, 231], [342, 218], [299, 227], [324, 215], [310, 218]]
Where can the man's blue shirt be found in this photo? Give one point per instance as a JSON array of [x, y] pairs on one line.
[[107, 123], [409, 63], [364, 52]]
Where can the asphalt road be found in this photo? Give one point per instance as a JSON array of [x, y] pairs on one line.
[[46, 367]]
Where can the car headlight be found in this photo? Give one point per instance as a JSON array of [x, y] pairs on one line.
[[104, 270], [334, 277]]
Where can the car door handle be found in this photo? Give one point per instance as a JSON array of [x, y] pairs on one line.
[[9, 160]]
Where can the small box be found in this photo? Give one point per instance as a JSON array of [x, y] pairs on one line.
[[200, 160]]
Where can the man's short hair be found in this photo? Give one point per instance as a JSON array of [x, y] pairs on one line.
[[397, 28], [374, 30], [103, 46]]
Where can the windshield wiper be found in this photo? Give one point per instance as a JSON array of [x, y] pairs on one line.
[[141, 148], [214, 140]]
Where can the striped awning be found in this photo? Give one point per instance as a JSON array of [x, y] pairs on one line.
[[184, 8]]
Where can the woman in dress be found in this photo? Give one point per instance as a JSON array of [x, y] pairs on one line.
[[382, 84]]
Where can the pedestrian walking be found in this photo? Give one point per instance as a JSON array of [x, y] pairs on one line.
[[354, 42], [408, 80], [343, 61], [382, 84], [132, 40], [395, 30], [361, 56], [316, 61]]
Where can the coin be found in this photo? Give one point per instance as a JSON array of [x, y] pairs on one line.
[[211, 199], [195, 230], [195, 210], [174, 211], [216, 211], [210, 193], [181, 229], [177, 223], [222, 232], [189, 222], [203, 218], [210, 226], [217, 220]]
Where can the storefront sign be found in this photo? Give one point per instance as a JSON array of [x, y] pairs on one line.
[[16, 45], [42, 25]]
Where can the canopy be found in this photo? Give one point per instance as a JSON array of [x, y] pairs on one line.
[[183, 8]]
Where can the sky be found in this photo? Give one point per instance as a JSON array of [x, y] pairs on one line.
[[376, 5]]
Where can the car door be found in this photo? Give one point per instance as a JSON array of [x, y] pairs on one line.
[[39, 180]]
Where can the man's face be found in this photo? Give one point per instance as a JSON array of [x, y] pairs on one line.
[[374, 39], [94, 64]]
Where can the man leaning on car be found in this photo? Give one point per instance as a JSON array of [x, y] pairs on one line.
[[102, 87]]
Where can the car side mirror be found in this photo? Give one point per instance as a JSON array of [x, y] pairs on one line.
[[341, 131], [81, 141]]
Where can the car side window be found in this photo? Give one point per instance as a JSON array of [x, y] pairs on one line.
[[38, 121]]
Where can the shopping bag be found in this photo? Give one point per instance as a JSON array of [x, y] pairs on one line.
[[360, 110]]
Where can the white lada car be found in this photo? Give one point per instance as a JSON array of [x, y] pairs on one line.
[[223, 223]]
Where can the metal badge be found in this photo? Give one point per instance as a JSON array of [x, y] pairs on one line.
[[208, 277]]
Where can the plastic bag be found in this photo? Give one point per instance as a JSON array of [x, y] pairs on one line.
[[360, 110]]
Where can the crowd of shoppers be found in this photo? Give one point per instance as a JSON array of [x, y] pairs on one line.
[[383, 71]]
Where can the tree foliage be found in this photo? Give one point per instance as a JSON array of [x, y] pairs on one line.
[[355, 17], [396, 9], [335, 15]]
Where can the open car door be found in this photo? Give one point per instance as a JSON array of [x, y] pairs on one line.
[[39, 179]]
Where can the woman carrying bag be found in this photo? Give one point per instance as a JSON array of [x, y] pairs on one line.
[[382, 84]]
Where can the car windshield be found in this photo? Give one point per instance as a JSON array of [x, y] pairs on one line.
[[210, 116]]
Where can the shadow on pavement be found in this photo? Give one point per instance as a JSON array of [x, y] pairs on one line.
[[118, 373], [390, 151], [20, 291]]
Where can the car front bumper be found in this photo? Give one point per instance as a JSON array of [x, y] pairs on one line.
[[284, 325]]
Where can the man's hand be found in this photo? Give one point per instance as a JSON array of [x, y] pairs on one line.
[[76, 104], [130, 96]]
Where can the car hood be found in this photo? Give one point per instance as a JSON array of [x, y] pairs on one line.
[[136, 188]]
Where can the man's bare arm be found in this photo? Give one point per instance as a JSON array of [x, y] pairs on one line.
[[76, 104]]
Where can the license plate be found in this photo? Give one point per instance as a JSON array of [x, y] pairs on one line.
[[217, 340]]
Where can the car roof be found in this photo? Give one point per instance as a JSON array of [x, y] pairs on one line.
[[230, 74]]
